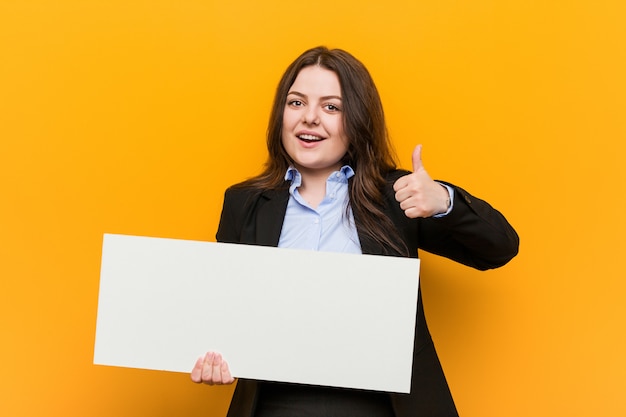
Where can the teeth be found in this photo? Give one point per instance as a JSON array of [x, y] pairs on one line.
[[309, 137]]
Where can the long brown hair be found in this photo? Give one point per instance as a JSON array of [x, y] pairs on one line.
[[370, 153]]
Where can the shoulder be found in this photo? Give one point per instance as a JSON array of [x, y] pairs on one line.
[[246, 208], [239, 199], [242, 198], [247, 190], [241, 191]]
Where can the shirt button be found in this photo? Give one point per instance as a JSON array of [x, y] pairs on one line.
[[316, 221]]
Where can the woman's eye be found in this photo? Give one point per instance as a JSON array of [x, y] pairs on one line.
[[295, 103], [332, 107]]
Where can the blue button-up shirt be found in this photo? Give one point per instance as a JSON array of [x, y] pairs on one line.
[[326, 228]]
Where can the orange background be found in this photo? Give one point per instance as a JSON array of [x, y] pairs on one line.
[[128, 116]]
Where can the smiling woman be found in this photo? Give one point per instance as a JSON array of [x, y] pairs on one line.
[[313, 133], [330, 184]]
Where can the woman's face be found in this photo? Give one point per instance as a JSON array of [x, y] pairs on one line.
[[312, 132]]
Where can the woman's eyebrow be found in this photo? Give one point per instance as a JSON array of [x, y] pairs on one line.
[[297, 93]]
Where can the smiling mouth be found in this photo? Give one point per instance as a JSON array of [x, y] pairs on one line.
[[310, 138]]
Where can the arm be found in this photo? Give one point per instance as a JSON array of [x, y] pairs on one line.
[[472, 233]]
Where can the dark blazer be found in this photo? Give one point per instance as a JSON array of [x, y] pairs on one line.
[[474, 234]]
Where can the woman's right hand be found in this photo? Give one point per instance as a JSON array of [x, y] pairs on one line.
[[211, 369]]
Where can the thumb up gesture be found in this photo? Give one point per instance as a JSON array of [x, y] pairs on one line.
[[418, 194]]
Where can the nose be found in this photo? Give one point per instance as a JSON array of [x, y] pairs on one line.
[[311, 116]]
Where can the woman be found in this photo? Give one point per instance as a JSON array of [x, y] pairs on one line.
[[331, 183]]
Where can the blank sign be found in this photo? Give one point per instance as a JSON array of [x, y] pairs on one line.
[[275, 314]]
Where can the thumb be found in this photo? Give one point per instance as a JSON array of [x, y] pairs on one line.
[[417, 158]]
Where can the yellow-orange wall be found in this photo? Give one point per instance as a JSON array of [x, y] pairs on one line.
[[130, 116]]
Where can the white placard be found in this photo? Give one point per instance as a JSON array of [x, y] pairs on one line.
[[275, 314]]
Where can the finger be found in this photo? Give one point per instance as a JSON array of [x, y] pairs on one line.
[[196, 372], [406, 205], [413, 213], [227, 378], [403, 195], [400, 183], [207, 368], [217, 369], [417, 158]]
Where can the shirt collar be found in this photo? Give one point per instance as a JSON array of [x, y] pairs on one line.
[[344, 174]]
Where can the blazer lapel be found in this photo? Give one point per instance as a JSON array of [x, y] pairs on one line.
[[271, 213]]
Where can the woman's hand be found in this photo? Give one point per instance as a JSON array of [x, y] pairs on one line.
[[418, 194], [211, 369]]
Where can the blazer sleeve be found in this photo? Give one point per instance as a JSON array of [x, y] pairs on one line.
[[473, 233]]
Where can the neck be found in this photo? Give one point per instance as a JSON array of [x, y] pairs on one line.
[[316, 174], [313, 187]]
